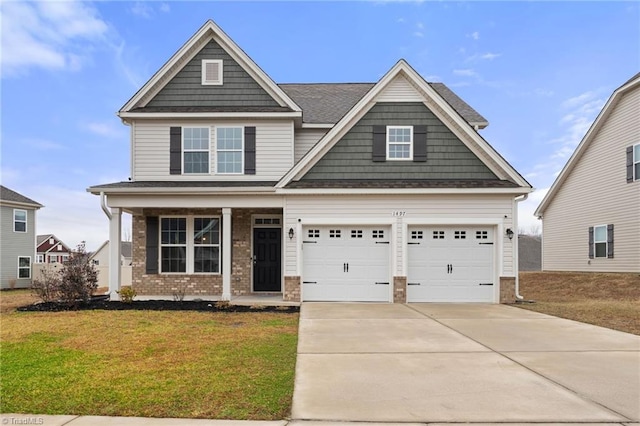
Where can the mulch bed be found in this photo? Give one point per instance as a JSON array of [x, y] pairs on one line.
[[102, 303]]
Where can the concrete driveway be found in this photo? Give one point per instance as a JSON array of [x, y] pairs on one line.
[[461, 363]]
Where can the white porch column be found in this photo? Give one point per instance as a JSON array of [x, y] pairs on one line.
[[115, 225], [226, 253]]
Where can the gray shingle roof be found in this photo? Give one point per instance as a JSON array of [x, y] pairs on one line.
[[401, 183], [7, 194], [211, 109], [329, 102]]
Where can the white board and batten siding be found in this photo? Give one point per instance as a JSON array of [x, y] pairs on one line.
[[274, 149], [305, 139], [596, 193], [398, 212]]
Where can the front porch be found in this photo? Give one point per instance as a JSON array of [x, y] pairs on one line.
[[227, 254]]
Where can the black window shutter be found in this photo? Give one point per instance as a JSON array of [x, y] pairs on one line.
[[152, 244], [630, 164], [420, 143], [610, 241], [379, 143], [249, 150], [175, 150], [591, 242]]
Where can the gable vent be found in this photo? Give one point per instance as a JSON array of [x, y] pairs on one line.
[[212, 71]]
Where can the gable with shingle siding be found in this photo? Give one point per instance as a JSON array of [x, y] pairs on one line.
[[447, 156], [239, 89]]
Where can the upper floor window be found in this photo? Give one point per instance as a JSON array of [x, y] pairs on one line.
[[399, 142], [19, 220], [229, 150], [195, 150]]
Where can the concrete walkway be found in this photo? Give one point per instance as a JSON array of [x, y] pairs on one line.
[[432, 363]]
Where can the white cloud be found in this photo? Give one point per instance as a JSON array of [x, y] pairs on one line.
[[418, 34], [105, 129], [465, 73], [142, 9], [165, 8], [47, 34], [526, 219], [474, 35], [489, 56], [420, 25]]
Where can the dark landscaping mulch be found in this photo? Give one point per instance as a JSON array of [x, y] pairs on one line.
[[154, 305]]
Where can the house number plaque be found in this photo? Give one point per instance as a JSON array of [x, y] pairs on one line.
[[398, 213]]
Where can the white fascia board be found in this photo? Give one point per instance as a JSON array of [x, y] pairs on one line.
[[191, 201], [18, 204], [400, 191], [248, 190], [582, 146], [317, 125], [180, 115]]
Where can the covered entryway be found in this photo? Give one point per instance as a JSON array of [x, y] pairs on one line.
[[346, 263], [450, 264]]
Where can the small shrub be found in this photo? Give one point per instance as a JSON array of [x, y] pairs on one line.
[[127, 294], [78, 277], [222, 305], [257, 307], [47, 286], [178, 294]]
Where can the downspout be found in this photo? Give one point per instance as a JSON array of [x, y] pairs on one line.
[[516, 249], [103, 204]]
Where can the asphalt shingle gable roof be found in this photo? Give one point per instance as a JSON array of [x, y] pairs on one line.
[[7, 194], [327, 103]]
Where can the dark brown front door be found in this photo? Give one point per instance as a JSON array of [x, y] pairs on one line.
[[267, 262]]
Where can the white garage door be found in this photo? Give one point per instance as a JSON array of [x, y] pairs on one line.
[[345, 263], [450, 264]]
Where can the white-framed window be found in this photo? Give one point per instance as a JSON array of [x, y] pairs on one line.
[[24, 267], [190, 245], [53, 258], [39, 258], [195, 150], [212, 72], [230, 150], [636, 162], [600, 241], [59, 248], [19, 220], [65, 257], [399, 142], [51, 241]]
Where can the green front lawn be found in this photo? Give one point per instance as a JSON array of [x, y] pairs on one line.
[[148, 363]]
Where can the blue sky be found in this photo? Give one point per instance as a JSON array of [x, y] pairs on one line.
[[538, 71]]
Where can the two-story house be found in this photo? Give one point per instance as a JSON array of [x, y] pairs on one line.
[[17, 238], [320, 192], [50, 249], [597, 194]]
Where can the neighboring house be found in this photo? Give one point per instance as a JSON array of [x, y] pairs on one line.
[[319, 192], [529, 252], [591, 214], [100, 259], [50, 249], [17, 238]]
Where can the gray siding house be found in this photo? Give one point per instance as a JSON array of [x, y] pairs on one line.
[[591, 214], [18, 238], [380, 192]]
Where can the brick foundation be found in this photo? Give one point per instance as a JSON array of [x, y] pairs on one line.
[[291, 289], [194, 285], [399, 289], [507, 289]]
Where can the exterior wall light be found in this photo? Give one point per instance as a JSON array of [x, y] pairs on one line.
[[291, 233], [509, 233]]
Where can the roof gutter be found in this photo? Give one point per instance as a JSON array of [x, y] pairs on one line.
[[516, 249], [103, 204]]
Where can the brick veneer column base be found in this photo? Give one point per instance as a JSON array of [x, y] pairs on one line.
[[399, 289], [291, 291], [507, 289]]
